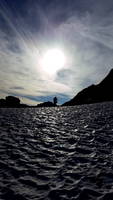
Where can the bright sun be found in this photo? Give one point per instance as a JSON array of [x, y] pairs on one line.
[[53, 60]]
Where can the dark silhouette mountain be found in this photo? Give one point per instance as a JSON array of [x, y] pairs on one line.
[[46, 104], [11, 102], [95, 93], [14, 102]]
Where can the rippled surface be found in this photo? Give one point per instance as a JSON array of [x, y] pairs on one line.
[[57, 153]]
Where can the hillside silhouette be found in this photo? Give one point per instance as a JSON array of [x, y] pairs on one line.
[[11, 102], [92, 94], [14, 102], [95, 93], [46, 104]]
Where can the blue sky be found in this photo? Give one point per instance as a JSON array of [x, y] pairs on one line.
[[82, 29]]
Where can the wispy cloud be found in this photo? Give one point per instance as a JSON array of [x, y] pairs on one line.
[[83, 30], [16, 88]]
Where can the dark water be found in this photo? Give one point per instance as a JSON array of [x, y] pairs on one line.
[[57, 153]]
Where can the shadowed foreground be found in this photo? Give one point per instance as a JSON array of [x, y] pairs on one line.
[[57, 153]]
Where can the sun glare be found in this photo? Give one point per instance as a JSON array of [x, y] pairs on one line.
[[53, 60]]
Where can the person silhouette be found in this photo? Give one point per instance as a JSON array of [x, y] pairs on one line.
[[55, 101]]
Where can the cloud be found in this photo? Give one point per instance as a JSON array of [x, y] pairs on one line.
[[82, 29], [33, 100], [16, 88], [91, 45]]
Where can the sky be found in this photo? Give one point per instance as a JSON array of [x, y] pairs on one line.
[[81, 29]]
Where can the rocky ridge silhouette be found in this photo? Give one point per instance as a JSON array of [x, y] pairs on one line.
[[94, 93]]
